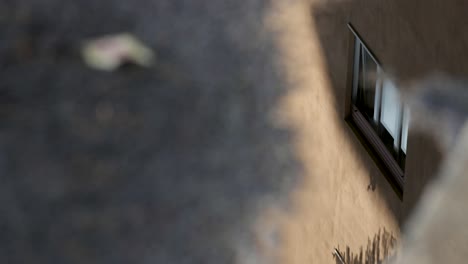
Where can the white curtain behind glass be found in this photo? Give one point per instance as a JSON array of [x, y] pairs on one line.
[[404, 129], [391, 107]]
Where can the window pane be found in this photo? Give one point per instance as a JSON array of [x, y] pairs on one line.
[[404, 132], [390, 115], [366, 86], [377, 99]]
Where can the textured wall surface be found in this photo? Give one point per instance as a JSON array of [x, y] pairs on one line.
[[343, 201], [413, 40]]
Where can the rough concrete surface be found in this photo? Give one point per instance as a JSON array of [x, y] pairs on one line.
[[168, 164]]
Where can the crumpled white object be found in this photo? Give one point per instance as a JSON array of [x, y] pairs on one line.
[[107, 53]]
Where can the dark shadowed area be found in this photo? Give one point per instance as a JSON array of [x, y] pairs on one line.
[[380, 248], [409, 46], [166, 164]]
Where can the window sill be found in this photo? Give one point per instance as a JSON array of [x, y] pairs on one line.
[[377, 150]]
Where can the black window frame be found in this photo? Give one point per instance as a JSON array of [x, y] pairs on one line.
[[390, 163]]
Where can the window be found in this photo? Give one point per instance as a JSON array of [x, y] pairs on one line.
[[377, 112]]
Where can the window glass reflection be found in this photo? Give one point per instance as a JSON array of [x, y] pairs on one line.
[[378, 100]]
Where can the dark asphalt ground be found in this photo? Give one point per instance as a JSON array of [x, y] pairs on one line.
[[165, 164]]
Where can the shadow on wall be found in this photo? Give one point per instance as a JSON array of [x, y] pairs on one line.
[[330, 24], [408, 46], [379, 249]]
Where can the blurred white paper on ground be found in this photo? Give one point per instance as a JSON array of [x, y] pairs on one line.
[[109, 52]]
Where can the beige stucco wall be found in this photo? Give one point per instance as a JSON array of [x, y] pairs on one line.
[[413, 39], [344, 199]]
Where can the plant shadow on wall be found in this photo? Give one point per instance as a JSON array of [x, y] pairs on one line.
[[165, 164], [378, 249], [378, 24]]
